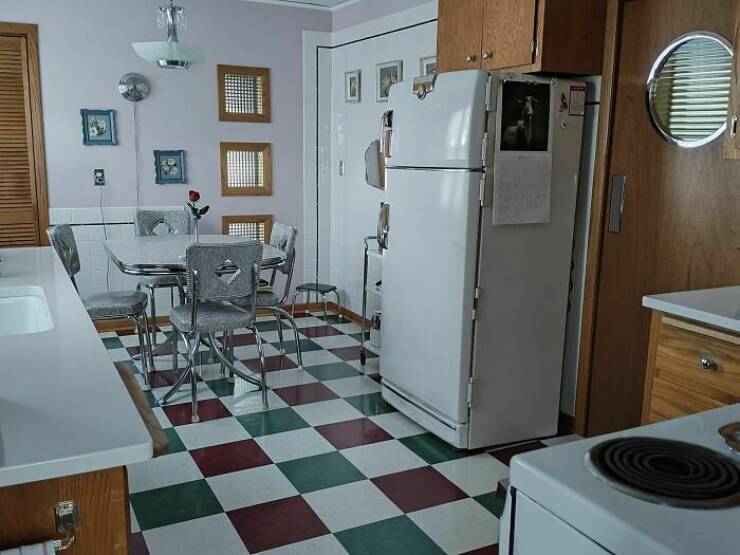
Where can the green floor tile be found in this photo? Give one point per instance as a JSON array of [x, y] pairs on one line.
[[151, 399], [306, 346], [492, 502], [335, 319], [398, 535], [432, 449], [371, 404], [172, 504], [112, 343], [334, 371], [320, 472], [358, 336], [222, 387], [174, 443], [272, 422], [270, 325]]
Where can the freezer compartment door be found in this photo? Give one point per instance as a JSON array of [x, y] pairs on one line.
[[442, 130], [428, 287]]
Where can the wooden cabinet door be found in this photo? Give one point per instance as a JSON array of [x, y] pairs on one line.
[[508, 33], [459, 33]]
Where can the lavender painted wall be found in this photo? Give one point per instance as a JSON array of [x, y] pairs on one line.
[[365, 10], [85, 46]]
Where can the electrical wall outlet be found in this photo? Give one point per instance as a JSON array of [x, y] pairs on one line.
[[99, 177]]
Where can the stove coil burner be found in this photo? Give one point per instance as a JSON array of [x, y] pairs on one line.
[[667, 472]]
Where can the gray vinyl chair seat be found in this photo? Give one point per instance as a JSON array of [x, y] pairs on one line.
[[160, 281], [213, 316], [115, 303], [321, 288]]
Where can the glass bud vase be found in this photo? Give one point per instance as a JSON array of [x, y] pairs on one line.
[[197, 230]]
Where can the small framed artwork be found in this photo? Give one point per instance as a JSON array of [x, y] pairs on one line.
[[169, 166], [387, 75], [98, 127], [352, 87], [428, 65]]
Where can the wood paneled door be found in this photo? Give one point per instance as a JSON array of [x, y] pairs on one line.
[[459, 34], [23, 206], [679, 224]]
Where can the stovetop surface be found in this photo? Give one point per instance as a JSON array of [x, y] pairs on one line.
[[560, 479]]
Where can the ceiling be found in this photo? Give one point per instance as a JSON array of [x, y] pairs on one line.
[[329, 4]]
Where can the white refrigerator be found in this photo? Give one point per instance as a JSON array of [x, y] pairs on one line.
[[482, 179]]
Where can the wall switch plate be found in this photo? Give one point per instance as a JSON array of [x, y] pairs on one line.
[[99, 177]]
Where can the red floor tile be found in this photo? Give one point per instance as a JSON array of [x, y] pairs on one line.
[[320, 331], [277, 523], [417, 489], [504, 454], [489, 550], [166, 378], [352, 433], [229, 457], [352, 353], [305, 394], [277, 362], [243, 340], [137, 545], [181, 414]]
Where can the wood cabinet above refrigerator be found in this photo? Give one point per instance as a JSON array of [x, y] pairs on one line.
[[528, 36]]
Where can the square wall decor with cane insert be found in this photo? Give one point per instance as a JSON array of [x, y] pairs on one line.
[[246, 169], [256, 227], [244, 94]]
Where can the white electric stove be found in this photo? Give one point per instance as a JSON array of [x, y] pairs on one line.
[[675, 493]]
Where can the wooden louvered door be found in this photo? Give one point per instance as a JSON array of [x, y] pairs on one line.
[[22, 188]]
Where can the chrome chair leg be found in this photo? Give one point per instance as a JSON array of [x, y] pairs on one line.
[[263, 374], [339, 303], [292, 323], [153, 308], [194, 418], [280, 332], [232, 368], [142, 349], [326, 311], [191, 347], [147, 338], [224, 340], [292, 310], [175, 349]]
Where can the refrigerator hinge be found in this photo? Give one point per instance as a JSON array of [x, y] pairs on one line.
[[489, 92], [471, 383], [535, 48], [484, 150], [477, 293], [482, 192]]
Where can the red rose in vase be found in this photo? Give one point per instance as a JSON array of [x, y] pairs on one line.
[[193, 198]]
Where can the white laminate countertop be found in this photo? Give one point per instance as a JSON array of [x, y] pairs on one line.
[[715, 307], [63, 407]]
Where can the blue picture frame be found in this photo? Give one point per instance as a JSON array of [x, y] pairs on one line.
[[170, 167], [98, 127]]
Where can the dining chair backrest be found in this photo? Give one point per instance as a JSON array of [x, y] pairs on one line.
[[162, 222], [63, 241], [283, 237], [223, 271]]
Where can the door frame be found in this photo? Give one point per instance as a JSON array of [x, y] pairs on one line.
[[610, 71], [30, 33]]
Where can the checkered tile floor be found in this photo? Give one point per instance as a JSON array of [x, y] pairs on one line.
[[330, 468]]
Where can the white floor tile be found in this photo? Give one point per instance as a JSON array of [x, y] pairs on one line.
[[379, 459], [328, 412], [458, 527], [162, 471], [273, 337], [130, 340], [324, 545], [212, 534], [249, 352], [161, 417], [250, 401], [251, 487], [372, 365], [295, 444], [397, 424], [183, 395], [349, 387], [134, 523], [474, 475], [119, 355], [288, 378], [351, 505], [314, 358], [309, 322], [335, 341], [348, 328], [212, 432]]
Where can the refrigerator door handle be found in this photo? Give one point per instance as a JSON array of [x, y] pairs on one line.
[[386, 123]]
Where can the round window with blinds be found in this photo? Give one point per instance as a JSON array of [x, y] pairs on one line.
[[689, 89]]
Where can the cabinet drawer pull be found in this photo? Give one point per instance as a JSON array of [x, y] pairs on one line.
[[487, 55], [470, 58], [707, 363]]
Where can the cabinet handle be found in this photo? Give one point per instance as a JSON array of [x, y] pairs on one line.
[[707, 363], [487, 55], [470, 58], [733, 126]]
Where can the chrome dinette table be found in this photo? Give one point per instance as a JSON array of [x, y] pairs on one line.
[[165, 256]]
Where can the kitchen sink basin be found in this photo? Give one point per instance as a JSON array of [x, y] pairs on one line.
[[23, 310]]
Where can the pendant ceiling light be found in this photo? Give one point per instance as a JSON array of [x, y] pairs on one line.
[[171, 54]]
